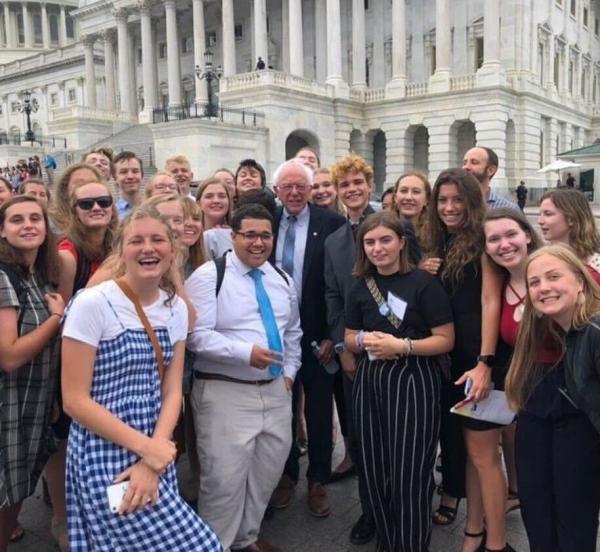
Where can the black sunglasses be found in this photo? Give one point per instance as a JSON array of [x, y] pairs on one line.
[[86, 203]]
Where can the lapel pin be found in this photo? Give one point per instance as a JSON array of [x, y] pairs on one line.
[[315, 233]]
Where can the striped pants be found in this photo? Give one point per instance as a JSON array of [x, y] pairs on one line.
[[396, 406]]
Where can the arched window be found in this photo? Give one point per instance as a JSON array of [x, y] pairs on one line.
[[53, 22], [37, 28]]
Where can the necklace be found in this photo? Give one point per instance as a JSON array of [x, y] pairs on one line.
[[520, 306]]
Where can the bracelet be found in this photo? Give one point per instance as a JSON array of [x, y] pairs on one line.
[[409, 346]]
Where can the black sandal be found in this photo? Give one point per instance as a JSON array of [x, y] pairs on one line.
[[482, 535], [445, 515]]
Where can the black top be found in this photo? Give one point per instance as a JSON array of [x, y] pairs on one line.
[[427, 305]]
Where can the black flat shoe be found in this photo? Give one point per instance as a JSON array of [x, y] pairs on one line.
[[341, 475], [363, 530]]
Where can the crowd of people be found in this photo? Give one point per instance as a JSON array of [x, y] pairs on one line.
[[229, 323]]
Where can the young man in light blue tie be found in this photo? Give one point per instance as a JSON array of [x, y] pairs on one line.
[[247, 343]]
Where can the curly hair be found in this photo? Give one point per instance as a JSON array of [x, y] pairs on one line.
[[467, 243], [350, 163], [583, 236]]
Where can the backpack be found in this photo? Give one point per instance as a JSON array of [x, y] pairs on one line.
[[17, 281], [220, 265]]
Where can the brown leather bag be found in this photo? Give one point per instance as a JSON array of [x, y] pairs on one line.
[[146, 323]]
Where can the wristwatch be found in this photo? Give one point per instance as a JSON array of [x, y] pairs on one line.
[[339, 348], [486, 359]]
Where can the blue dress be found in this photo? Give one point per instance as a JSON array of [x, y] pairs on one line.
[[126, 382]]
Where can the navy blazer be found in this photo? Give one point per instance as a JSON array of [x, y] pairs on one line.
[[313, 313]]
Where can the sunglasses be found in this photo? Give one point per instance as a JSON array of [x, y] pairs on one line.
[[87, 203]]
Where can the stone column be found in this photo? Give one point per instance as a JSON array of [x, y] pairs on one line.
[[174, 70], [62, 28], [45, 27], [296, 38], [491, 71], [124, 69], [11, 40], [377, 73], [359, 77], [27, 26], [321, 40], [397, 86], [285, 36], [229, 68], [201, 96], [334, 50], [90, 70], [148, 62], [109, 69], [440, 80], [260, 32]]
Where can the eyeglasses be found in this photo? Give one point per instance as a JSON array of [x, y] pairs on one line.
[[87, 203], [253, 236], [165, 187], [289, 187]]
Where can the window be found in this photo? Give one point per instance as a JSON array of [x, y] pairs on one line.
[[541, 62], [585, 17], [139, 56], [53, 20], [72, 95], [542, 163], [70, 27], [162, 50], [595, 90], [239, 33], [596, 26], [37, 28], [53, 99], [366, 4], [556, 69], [433, 60], [584, 80], [211, 38], [13, 107], [187, 45], [20, 29], [571, 73], [574, 8], [478, 52]]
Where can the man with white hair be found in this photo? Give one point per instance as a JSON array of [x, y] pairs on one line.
[[300, 230]]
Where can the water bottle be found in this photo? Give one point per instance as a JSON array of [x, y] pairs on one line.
[[332, 366]]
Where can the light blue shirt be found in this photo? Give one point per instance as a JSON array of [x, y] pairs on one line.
[[299, 245], [495, 201], [123, 208]]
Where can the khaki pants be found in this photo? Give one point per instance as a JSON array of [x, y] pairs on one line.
[[243, 436]]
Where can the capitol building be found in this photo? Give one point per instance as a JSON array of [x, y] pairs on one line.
[[404, 83]]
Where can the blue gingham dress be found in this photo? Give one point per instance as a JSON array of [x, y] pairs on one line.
[[126, 382]]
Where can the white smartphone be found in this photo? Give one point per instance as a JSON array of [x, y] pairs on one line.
[[115, 495]]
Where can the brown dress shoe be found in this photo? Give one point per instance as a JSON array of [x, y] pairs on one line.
[[282, 495], [259, 546], [318, 503]]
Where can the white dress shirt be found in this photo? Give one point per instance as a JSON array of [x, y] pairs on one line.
[[228, 325], [303, 218]]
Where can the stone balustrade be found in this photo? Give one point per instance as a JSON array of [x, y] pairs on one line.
[[255, 79], [84, 112], [463, 82], [417, 89]]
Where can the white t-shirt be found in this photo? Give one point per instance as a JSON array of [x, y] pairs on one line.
[[102, 312]]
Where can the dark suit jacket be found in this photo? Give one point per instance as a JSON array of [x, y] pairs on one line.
[[313, 314], [340, 256]]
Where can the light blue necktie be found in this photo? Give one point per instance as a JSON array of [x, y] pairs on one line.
[[287, 257], [268, 318]]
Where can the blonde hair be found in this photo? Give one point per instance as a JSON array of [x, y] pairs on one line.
[[181, 159], [197, 254], [149, 188], [351, 163], [421, 222], [140, 213], [337, 206], [540, 332]]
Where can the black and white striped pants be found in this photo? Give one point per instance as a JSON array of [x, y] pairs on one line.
[[396, 407]]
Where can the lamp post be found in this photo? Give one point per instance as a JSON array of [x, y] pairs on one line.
[[28, 105], [210, 74]]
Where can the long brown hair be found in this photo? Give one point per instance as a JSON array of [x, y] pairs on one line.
[[202, 188], [60, 206], [139, 213], [363, 266], [583, 236], [467, 243], [78, 234], [46, 262], [537, 332]]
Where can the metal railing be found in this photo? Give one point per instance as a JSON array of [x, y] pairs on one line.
[[53, 142], [210, 112]]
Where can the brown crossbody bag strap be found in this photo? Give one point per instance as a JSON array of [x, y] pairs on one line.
[[146, 323]]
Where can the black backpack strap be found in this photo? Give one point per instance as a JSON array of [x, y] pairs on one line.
[[220, 265]]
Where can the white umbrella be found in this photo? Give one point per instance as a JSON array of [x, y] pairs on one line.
[[559, 165]]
